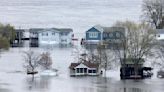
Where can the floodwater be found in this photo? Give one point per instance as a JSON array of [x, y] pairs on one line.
[[77, 14], [14, 79]]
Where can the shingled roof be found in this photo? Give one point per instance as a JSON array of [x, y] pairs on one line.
[[52, 29], [88, 64], [112, 29]]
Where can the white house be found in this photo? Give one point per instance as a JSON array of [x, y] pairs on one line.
[[49, 36], [84, 68], [53, 36]]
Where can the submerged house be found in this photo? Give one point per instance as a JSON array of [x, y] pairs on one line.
[[127, 70], [84, 69], [33, 36], [108, 36], [51, 36], [19, 38]]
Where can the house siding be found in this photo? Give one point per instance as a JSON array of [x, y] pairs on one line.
[[66, 37], [112, 35], [93, 30], [49, 37]]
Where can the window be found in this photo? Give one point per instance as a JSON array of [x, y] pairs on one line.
[[81, 70], [85, 70], [118, 35], [64, 33], [93, 34], [110, 34], [90, 71], [44, 34], [53, 33], [94, 71], [78, 70], [105, 35], [64, 40]]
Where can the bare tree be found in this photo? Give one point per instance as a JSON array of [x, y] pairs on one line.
[[153, 12], [45, 60], [158, 56], [105, 58], [136, 43], [31, 61]]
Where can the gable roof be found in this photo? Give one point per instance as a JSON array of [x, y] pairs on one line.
[[19, 30], [50, 29], [63, 29], [108, 29], [88, 64], [130, 61], [113, 29], [36, 29]]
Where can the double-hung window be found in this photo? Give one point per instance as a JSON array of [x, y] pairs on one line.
[[93, 34]]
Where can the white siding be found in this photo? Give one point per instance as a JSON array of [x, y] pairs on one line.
[[66, 39], [48, 37]]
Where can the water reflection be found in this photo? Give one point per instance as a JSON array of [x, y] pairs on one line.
[[133, 90], [4, 90], [40, 83]]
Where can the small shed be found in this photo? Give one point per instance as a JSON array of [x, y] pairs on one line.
[[127, 70]]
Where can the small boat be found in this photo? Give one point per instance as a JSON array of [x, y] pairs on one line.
[[48, 73], [32, 72]]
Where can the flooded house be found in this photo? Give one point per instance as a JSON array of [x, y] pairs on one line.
[[33, 36], [84, 69], [127, 70], [109, 36], [19, 38], [51, 36]]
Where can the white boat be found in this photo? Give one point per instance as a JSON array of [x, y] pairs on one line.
[[48, 73]]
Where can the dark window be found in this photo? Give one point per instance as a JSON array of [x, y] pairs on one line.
[[94, 71], [81, 70], [85, 70], [90, 71], [53, 33], [77, 70]]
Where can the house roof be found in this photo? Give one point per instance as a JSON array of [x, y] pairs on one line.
[[112, 29], [160, 31], [99, 27], [63, 29], [51, 29], [108, 29], [35, 29], [19, 30], [88, 64], [130, 61]]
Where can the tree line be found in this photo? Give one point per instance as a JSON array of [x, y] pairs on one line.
[[7, 35]]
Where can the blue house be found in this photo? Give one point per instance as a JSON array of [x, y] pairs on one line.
[[94, 35], [104, 35]]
